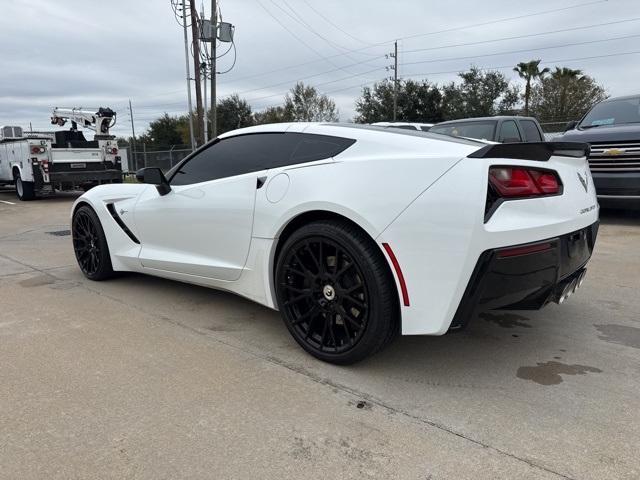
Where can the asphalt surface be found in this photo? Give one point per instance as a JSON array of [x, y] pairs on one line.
[[140, 377]]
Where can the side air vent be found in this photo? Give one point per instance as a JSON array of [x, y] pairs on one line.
[[121, 224]]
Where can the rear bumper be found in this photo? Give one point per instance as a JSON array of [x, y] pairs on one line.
[[526, 277], [617, 185], [82, 177]]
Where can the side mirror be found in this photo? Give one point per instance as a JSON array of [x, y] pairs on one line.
[[571, 125], [154, 176]]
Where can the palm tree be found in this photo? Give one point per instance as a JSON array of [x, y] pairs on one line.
[[529, 71], [565, 77]]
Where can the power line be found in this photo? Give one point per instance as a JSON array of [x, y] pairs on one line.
[[384, 44], [322, 83], [334, 25], [520, 51], [454, 45], [543, 63], [501, 20], [297, 37]]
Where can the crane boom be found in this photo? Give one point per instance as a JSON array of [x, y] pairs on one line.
[[100, 121]]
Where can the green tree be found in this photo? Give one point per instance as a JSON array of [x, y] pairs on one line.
[[417, 102], [304, 104], [163, 132], [231, 113], [480, 94], [529, 71], [565, 95], [272, 115]]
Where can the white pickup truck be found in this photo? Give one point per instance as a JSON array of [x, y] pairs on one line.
[[42, 163]]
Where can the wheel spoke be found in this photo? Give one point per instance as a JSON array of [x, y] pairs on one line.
[[304, 317], [323, 295]]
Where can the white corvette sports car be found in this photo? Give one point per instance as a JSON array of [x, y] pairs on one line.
[[355, 233]]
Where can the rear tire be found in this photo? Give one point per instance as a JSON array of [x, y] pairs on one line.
[[90, 245], [336, 293], [24, 190]]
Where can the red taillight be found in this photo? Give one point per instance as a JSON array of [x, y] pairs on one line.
[[112, 151], [36, 149], [524, 250], [512, 182]]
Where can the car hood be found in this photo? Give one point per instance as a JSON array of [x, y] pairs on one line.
[[605, 133]]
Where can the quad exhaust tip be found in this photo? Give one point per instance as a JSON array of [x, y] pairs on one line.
[[571, 287]]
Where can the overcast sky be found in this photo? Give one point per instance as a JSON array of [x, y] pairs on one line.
[[78, 53]]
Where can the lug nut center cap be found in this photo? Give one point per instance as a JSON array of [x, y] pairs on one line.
[[329, 292]]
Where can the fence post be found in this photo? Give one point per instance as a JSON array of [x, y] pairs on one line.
[[171, 156], [144, 155]]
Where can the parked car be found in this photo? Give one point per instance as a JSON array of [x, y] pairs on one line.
[[612, 128], [501, 129], [424, 127], [315, 221]]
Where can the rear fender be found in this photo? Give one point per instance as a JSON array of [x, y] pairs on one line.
[[26, 174]]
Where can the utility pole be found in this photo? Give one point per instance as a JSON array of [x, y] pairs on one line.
[[186, 59], [205, 122], [195, 38], [395, 80], [133, 138], [214, 38]]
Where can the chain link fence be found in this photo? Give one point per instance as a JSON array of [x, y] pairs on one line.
[[553, 129], [145, 156]]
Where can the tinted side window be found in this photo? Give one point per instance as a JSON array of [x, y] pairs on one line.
[[316, 147], [531, 133], [509, 132], [482, 130], [254, 152]]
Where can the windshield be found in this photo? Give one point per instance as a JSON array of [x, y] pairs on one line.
[[615, 112], [479, 130]]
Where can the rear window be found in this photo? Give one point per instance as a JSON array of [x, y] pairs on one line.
[[479, 130], [531, 132]]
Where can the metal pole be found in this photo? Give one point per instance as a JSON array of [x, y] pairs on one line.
[[395, 80], [206, 120], [204, 87], [133, 138], [144, 154], [186, 61], [214, 26], [195, 39]]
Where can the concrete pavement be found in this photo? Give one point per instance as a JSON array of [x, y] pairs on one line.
[[141, 377]]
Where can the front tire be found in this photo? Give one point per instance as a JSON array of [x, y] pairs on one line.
[[90, 245], [336, 293], [24, 190]]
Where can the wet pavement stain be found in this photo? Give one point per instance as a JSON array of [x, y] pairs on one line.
[[506, 320], [620, 334], [549, 373], [37, 281]]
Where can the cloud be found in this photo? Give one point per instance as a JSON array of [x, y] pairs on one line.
[[94, 54]]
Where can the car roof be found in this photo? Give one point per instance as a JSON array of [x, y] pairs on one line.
[[485, 119], [625, 97], [394, 124], [317, 127]]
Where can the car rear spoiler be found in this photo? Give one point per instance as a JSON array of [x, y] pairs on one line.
[[540, 151]]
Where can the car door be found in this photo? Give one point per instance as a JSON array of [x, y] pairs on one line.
[[203, 225]]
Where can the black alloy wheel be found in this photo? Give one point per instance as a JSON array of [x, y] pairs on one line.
[[335, 292], [90, 245]]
